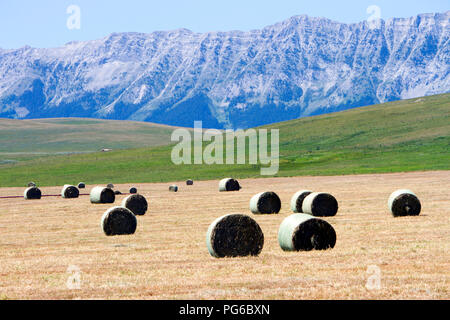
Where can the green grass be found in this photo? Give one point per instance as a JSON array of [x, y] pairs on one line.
[[406, 135]]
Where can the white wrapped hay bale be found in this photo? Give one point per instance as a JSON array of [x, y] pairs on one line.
[[297, 200], [118, 221], [303, 232], [32, 193], [136, 204], [102, 195], [320, 204], [229, 184], [70, 192], [234, 235], [404, 202], [265, 203], [173, 188]]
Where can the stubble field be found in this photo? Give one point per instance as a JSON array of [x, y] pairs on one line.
[[44, 242]]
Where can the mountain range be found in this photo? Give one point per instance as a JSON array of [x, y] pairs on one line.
[[299, 67]]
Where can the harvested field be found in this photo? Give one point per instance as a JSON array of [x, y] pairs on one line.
[[167, 257]]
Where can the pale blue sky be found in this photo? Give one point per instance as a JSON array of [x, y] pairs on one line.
[[43, 23]]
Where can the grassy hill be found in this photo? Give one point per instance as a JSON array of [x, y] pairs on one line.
[[405, 135], [27, 139]]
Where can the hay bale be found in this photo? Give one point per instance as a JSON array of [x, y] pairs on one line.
[[110, 186], [32, 193], [70, 192], [297, 200], [133, 190], [81, 185], [189, 182], [320, 204], [102, 195], [234, 235], [117, 192], [229, 184], [404, 202], [118, 221], [136, 203], [265, 203], [173, 188], [303, 232], [31, 184]]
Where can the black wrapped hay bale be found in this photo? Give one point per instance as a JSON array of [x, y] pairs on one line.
[[404, 202], [81, 185], [70, 192], [320, 204], [136, 203], [110, 186], [102, 195], [189, 182], [133, 190], [229, 184], [32, 193], [265, 203], [234, 235], [173, 188], [303, 232], [117, 192], [118, 221], [297, 200]]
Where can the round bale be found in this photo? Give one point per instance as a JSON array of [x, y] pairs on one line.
[[234, 235], [303, 232], [118, 221], [102, 195], [297, 200], [133, 190], [320, 204], [136, 203], [110, 186], [70, 192], [117, 192], [265, 203], [229, 184], [81, 185], [189, 182], [31, 184], [32, 193], [404, 202], [173, 188]]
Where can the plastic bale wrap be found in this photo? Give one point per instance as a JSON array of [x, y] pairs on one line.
[[32, 193], [265, 203], [133, 190], [70, 192], [81, 185], [102, 195], [229, 184], [189, 182], [118, 221], [297, 200], [404, 202], [234, 235], [136, 204], [320, 204], [303, 232], [173, 188]]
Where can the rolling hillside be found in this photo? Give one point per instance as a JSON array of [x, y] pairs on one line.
[[406, 135], [26, 139]]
